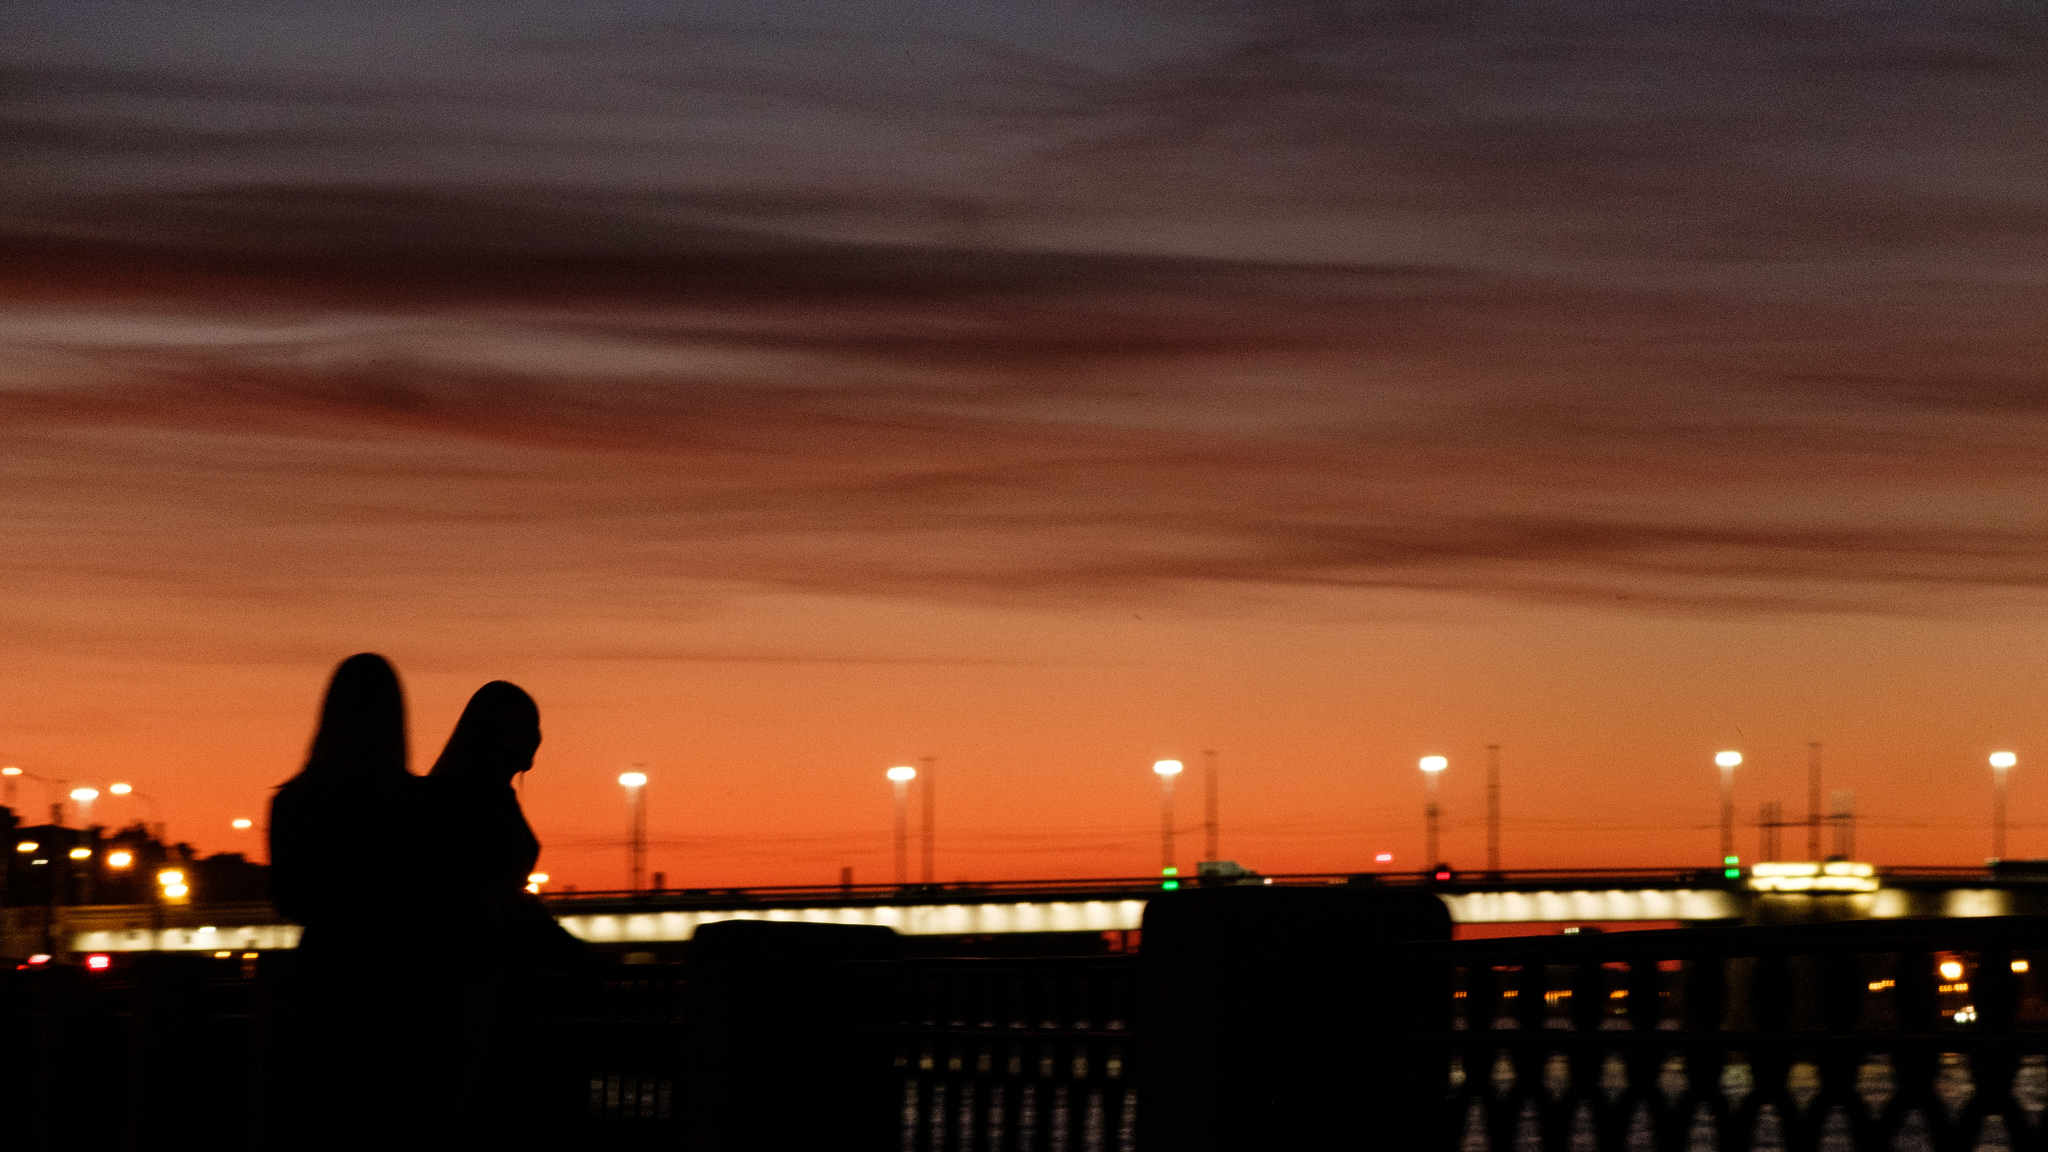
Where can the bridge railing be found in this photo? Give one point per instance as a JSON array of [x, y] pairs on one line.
[[1906, 1036], [1249, 1019]]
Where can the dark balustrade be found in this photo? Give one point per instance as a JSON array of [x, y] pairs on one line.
[[1304, 1016], [1854, 1037]]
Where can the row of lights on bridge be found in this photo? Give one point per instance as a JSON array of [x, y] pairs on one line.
[[171, 880]]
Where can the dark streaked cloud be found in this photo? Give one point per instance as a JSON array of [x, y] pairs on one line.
[[1710, 307]]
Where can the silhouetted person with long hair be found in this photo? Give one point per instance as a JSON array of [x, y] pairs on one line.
[[487, 847], [362, 1036], [515, 952], [342, 830]]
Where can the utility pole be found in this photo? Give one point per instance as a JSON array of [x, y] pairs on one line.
[[930, 821], [1844, 820], [1493, 808], [1209, 832], [1813, 816]]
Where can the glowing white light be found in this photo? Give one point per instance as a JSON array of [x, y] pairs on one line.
[[2003, 759], [1167, 767], [1434, 763], [85, 795], [632, 779], [1727, 759], [244, 823], [81, 853], [902, 774], [10, 770], [120, 789], [537, 878], [170, 879], [175, 890], [27, 846], [1950, 970], [120, 859], [1384, 858], [98, 962]]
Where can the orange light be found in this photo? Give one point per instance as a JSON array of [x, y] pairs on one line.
[[1950, 970]]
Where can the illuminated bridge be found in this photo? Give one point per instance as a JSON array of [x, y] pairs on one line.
[[1048, 916]]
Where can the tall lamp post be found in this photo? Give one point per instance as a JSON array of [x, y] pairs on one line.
[[1727, 762], [635, 784], [156, 815], [1166, 770], [1432, 767], [2000, 763], [899, 780], [84, 798], [50, 787]]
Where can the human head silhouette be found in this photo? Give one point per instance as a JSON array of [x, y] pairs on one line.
[[494, 740], [362, 724]]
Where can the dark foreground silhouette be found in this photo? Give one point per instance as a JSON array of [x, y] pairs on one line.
[[411, 1020]]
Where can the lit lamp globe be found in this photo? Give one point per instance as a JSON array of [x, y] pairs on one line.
[[85, 795], [2003, 759], [1168, 768], [632, 779], [902, 774], [120, 789], [1727, 759], [1434, 764]]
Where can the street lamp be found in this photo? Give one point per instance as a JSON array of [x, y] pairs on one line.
[[1166, 771], [1727, 762], [637, 849], [11, 773], [2000, 762], [85, 797], [1432, 767], [899, 781], [156, 816]]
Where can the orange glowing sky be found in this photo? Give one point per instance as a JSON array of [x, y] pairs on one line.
[[1322, 384]]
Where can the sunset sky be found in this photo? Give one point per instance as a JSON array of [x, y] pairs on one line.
[[784, 390]]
